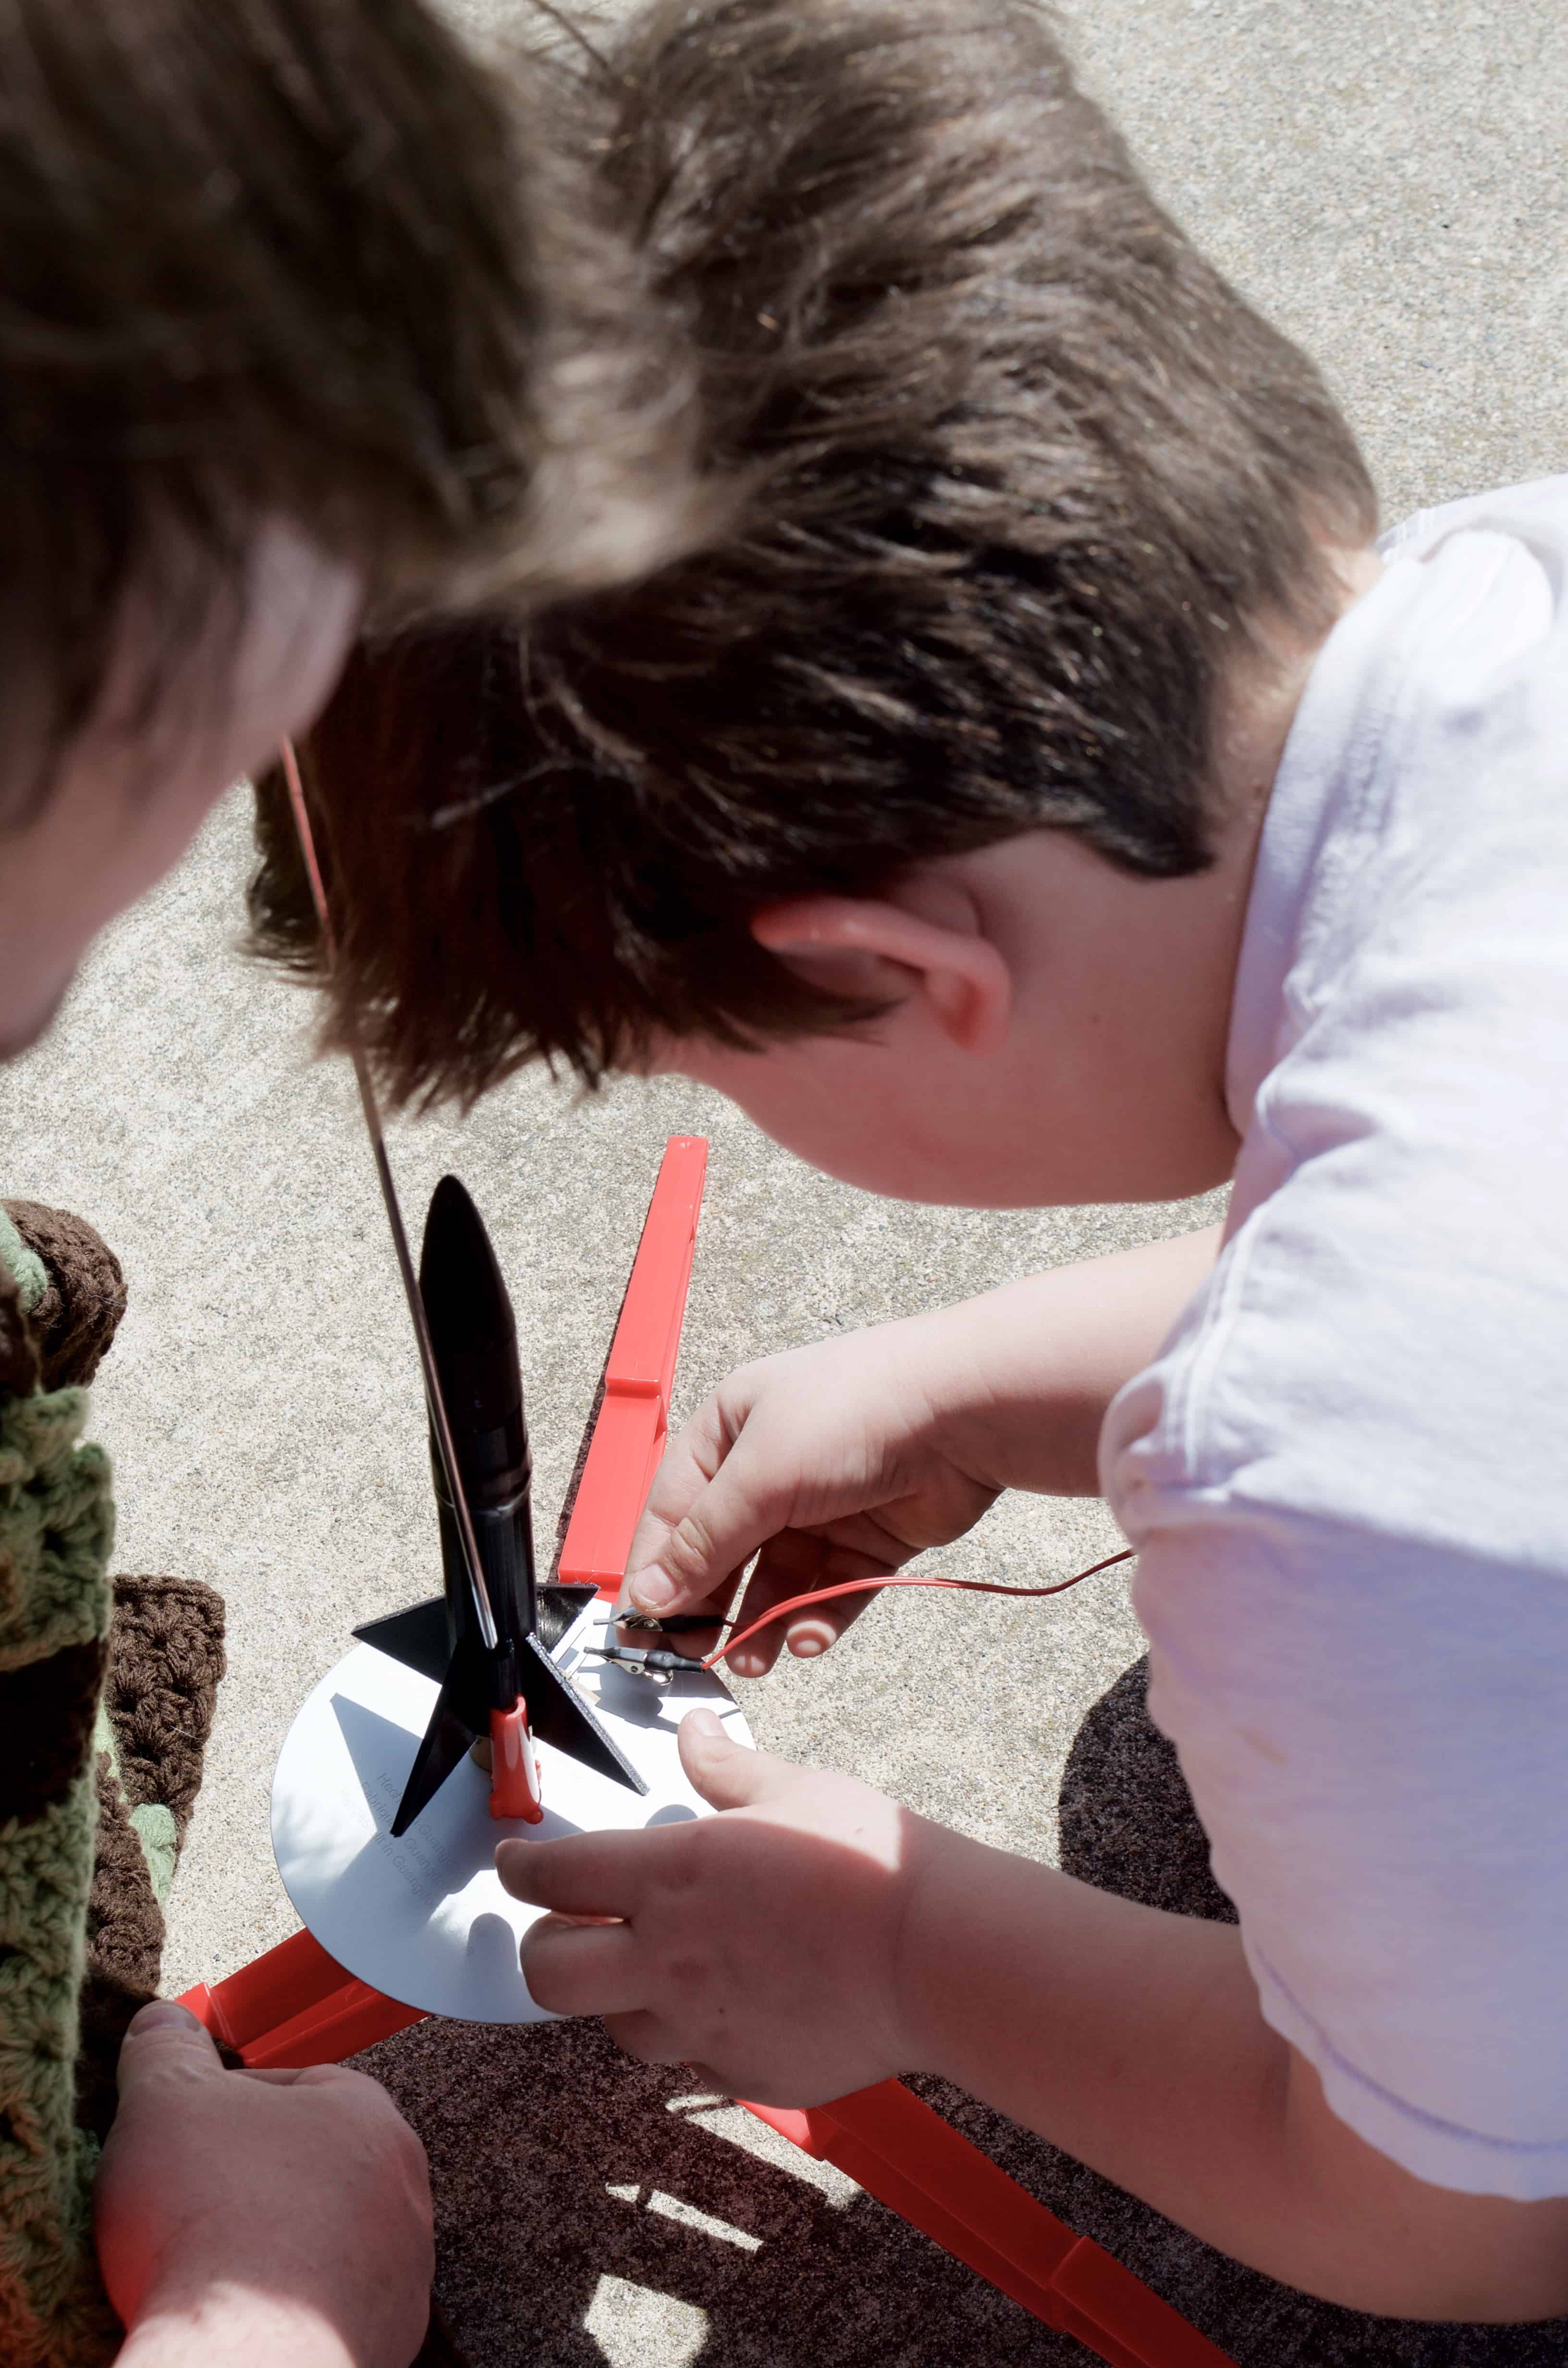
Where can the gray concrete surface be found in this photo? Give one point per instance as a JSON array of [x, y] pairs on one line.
[[1385, 176]]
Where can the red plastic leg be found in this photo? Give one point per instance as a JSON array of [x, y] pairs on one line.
[[297, 2006], [353, 2017], [628, 1437], [909, 2159], [269, 1990]]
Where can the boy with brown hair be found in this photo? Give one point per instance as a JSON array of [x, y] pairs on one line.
[[1044, 791]]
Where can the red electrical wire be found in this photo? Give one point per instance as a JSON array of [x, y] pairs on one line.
[[874, 1586]]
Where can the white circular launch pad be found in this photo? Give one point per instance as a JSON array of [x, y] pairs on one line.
[[424, 1919]]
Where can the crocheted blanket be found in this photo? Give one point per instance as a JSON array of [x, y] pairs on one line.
[[106, 1691]]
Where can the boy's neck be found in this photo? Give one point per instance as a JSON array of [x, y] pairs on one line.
[[1257, 704]]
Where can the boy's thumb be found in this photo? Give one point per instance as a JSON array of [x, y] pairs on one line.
[[162, 2036], [729, 1775]]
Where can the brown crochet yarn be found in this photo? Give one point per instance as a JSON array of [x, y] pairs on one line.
[[166, 1657], [46, 1718], [125, 1941], [79, 1314]]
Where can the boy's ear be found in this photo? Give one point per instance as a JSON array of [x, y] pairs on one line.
[[850, 947]]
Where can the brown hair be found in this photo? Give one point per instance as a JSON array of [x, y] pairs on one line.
[[266, 256], [1020, 470]]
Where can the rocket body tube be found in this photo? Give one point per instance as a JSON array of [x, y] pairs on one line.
[[474, 1339], [504, 1535]]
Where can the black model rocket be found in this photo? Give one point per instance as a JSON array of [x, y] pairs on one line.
[[502, 1684]]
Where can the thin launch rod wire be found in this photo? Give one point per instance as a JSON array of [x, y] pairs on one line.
[[434, 1400]]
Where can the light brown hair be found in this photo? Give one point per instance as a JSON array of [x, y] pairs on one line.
[[1018, 472], [271, 256]]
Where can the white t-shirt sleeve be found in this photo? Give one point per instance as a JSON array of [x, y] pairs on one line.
[[1346, 1474], [1399, 1865]]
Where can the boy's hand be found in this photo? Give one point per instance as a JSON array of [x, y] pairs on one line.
[[842, 1460], [831, 1460], [259, 2214], [760, 1946]]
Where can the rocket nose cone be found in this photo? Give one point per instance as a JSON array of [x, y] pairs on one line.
[[460, 1281]]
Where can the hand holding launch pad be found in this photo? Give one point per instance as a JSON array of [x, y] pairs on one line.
[[422, 1917]]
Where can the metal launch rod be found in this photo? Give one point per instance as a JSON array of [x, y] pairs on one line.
[[440, 1428]]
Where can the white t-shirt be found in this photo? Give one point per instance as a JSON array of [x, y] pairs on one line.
[[1347, 1471]]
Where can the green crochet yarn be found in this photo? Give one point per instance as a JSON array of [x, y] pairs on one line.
[[27, 1267], [56, 1528], [51, 2306]]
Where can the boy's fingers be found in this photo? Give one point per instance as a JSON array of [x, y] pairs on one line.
[[590, 1874], [795, 1565], [674, 1545], [728, 1775], [692, 1640], [807, 1634], [650, 2038], [698, 1531], [583, 1968], [688, 1464], [722, 1530]]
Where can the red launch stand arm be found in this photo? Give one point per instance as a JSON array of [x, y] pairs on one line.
[[635, 1419], [296, 2005]]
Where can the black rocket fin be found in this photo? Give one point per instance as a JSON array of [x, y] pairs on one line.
[[559, 1715], [558, 1607], [449, 1735], [446, 1739], [461, 1715], [419, 1637]]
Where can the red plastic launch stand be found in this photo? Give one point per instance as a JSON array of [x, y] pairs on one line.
[[297, 2006]]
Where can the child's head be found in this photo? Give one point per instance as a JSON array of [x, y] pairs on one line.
[[1020, 482], [275, 334]]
